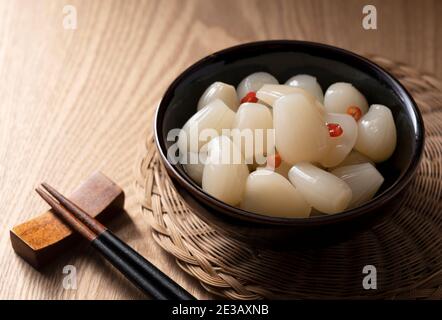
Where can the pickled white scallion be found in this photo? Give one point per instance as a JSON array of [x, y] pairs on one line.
[[363, 179], [194, 164], [322, 190], [222, 91], [340, 146], [225, 173], [269, 193], [209, 120], [253, 122], [254, 82], [300, 130], [269, 93], [341, 95], [377, 133], [308, 152], [309, 84]]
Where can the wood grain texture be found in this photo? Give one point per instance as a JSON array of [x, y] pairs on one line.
[[76, 101]]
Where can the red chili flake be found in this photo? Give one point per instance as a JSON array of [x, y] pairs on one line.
[[334, 130], [250, 97], [274, 161], [355, 112]]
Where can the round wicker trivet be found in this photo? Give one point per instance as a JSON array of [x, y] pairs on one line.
[[405, 247]]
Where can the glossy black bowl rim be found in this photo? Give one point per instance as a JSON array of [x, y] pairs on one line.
[[370, 206]]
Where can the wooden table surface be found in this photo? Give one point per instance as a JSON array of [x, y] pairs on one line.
[[74, 101]]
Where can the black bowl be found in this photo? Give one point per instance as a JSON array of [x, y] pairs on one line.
[[283, 59]]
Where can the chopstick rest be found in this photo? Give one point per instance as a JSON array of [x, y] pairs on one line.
[[42, 239], [135, 267]]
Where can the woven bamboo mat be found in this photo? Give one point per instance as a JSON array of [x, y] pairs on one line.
[[405, 247]]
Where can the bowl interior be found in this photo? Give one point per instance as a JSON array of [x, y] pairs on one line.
[[283, 59]]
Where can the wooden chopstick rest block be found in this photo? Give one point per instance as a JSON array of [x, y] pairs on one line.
[[41, 239]]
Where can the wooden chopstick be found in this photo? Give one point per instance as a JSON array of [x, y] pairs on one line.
[[129, 262], [75, 211], [67, 217]]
